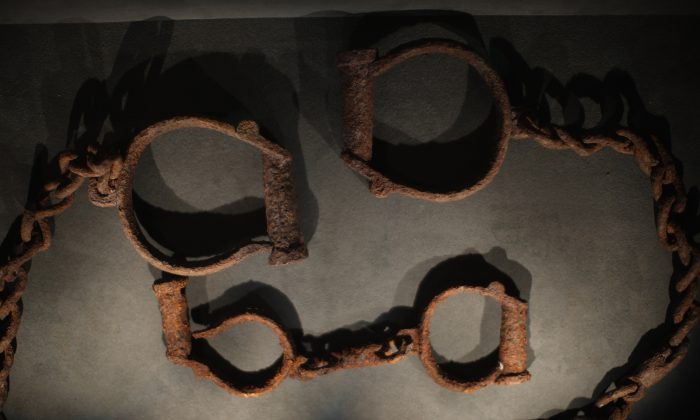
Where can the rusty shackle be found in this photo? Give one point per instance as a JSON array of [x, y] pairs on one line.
[[511, 367], [286, 239]]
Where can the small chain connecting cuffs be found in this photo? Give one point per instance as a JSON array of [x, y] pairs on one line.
[[392, 347]]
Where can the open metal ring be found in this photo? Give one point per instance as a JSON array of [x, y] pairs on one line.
[[287, 241], [272, 376], [358, 70], [512, 350]]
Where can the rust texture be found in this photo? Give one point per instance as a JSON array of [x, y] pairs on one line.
[[287, 242], [512, 350], [510, 368], [359, 68], [109, 178], [175, 315]]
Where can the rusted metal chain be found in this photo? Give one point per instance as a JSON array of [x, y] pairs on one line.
[[670, 198], [510, 368], [63, 178]]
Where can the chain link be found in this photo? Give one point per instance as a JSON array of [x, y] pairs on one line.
[[388, 348]]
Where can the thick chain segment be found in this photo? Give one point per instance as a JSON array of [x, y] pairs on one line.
[[670, 199], [64, 176]]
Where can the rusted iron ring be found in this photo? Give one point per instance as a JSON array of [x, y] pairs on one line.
[[512, 351], [358, 70], [273, 375], [287, 242]]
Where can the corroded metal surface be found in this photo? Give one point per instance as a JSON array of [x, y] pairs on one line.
[[512, 350], [110, 181], [358, 70], [510, 368], [287, 242]]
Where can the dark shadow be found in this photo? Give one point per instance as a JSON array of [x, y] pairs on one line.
[[251, 295], [206, 233], [461, 155], [533, 91], [691, 217], [197, 233], [319, 39], [96, 116], [223, 87], [12, 242], [204, 353], [98, 102], [471, 270], [438, 165], [374, 28], [271, 99], [185, 89], [644, 349], [126, 99]]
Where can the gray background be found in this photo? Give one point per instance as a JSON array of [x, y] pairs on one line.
[[575, 235]]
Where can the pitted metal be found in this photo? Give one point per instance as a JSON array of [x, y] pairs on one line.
[[286, 240], [110, 180], [509, 369]]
